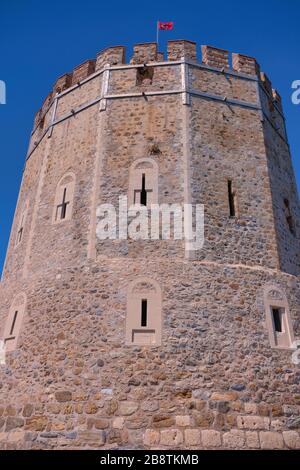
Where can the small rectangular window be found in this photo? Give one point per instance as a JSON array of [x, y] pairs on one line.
[[231, 199], [277, 319], [61, 210], [143, 199], [13, 323], [20, 229], [289, 217], [144, 312], [144, 75]]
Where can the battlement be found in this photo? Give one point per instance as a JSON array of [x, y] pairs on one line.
[[145, 53]]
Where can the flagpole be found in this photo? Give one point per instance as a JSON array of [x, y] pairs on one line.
[[157, 32]]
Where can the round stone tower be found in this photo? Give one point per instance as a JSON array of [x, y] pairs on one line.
[[144, 343]]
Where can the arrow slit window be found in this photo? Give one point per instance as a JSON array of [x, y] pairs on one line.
[[289, 217], [21, 226], [14, 322], [64, 196], [278, 318], [144, 313], [231, 198], [143, 182]]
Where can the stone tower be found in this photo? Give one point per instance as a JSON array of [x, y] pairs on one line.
[[143, 344]]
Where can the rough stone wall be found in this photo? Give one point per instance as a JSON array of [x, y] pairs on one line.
[[214, 382], [283, 186], [227, 147]]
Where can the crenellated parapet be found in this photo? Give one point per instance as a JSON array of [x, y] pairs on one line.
[[215, 57], [245, 64], [83, 70], [143, 53], [209, 57], [110, 56], [182, 48]]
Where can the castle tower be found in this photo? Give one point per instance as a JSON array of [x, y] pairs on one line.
[[145, 344]]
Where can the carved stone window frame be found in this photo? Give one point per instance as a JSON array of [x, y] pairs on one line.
[[21, 224], [149, 167], [67, 181], [11, 338], [150, 335], [275, 298]]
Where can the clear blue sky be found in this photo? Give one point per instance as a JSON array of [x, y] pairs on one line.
[[40, 40]]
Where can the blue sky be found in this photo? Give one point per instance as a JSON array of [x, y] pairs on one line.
[[41, 40]]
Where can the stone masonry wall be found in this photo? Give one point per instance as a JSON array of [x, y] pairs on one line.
[[215, 382]]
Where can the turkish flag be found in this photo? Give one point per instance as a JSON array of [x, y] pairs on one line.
[[166, 26]]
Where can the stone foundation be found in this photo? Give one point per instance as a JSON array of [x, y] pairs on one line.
[[215, 382]]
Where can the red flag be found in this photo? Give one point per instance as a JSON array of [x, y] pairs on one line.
[[166, 26]]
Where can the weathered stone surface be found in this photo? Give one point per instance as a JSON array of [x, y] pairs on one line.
[[171, 437], [276, 410], [127, 408], [263, 409], [204, 419], [291, 439], [253, 422], [98, 423], [28, 410], [192, 437], [91, 408], [151, 437], [252, 440], [238, 387], [13, 423], [293, 423], [36, 423], [291, 410], [118, 423], [211, 438], [183, 421], [150, 405], [226, 396], [271, 440], [16, 436], [63, 395], [251, 408], [163, 421], [234, 439], [91, 438], [111, 407]]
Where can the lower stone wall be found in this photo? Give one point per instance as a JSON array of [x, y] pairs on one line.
[[28, 429], [214, 382]]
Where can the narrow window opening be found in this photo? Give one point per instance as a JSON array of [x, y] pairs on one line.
[[143, 200], [13, 323], [144, 75], [289, 217], [144, 312], [20, 231], [42, 122], [231, 199], [62, 208], [277, 318], [142, 194]]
